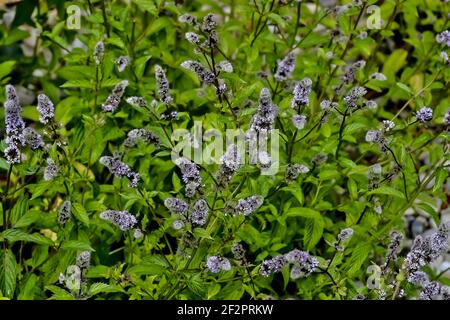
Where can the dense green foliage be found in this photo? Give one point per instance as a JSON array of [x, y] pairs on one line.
[[42, 50]]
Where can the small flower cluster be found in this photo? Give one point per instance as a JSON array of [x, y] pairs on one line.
[[353, 97], [120, 170], [122, 219], [427, 249], [377, 136], [14, 125], [424, 114], [113, 100], [394, 246], [190, 176], [144, 135], [215, 264], [162, 85], [137, 102], [343, 236], [264, 118], [46, 109], [206, 76], [285, 67], [294, 170], [122, 62], [303, 264], [443, 37], [249, 205], [198, 215], [84, 260], [230, 162], [51, 170], [349, 75], [374, 176], [99, 52], [64, 212]]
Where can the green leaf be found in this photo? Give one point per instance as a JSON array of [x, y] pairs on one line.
[[313, 232], [77, 84], [303, 212], [98, 287], [196, 285], [14, 235], [27, 219], [359, 255], [404, 87], [147, 5], [389, 191], [441, 176], [76, 245], [7, 273], [59, 293], [6, 68], [80, 213]]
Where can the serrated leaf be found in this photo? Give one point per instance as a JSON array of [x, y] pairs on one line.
[[14, 235], [359, 255], [389, 191], [7, 273], [76, 245], [98, 287], [313, 232], [77, 84]]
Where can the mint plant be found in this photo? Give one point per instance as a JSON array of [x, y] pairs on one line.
[[265, 149]]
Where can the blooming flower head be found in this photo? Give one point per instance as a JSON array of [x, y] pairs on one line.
[[230, 162], [249, 205], [238, 251], [137, 101], [122, 219], [190, 176], [162, 85], [84, 260], [345, 234], [225, 66], [353, 97], [267, 112], [176, 205], [301, 92], [294, 170], [120, 170], [144, 135], [206, 76], [45, 108], [113, 100], [215, 264], [122, 62], [199, 212], [51, 170], [424, 114], [30, 137], [447, 118], [299, 121], [285, 67], [188, 18], [99, 52], [444, 38], [209, 23], [64, 212], [273, 265]]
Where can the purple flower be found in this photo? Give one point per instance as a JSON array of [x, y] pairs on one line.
[[120, 170], [122, 219]]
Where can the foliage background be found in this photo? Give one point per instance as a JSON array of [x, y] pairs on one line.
[[38, 53]]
